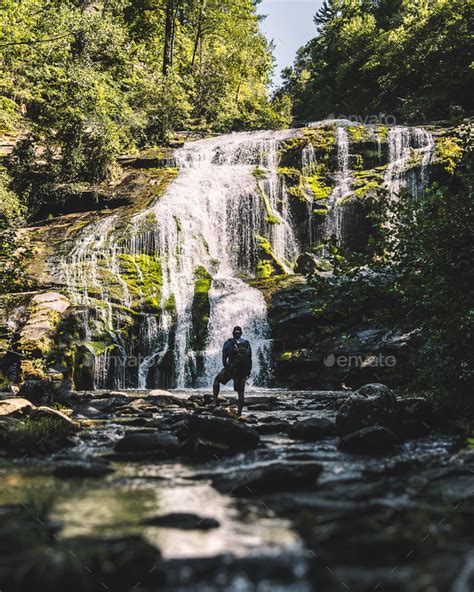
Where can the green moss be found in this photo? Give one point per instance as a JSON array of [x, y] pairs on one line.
[[272, 216], [322, 138], [319, 188], [201, 308], [449, 152], [268, 264], [203, 281], [143, 276], [264, 269], [382, 132], [290, 174], [259, 173], [170, 305], [357, 133]]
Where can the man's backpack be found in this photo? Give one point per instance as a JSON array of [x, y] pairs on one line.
[[242, 362]]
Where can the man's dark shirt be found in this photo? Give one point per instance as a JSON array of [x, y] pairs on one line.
[[229, 350]]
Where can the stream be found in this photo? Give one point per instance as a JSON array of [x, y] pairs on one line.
[[268, 540]]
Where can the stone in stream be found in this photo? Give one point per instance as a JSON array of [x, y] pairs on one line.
[[155, 444], [371, 405], [273, 427], [182, 521], [15, 407], [312, 429], [373, 440], [227, 433], [271, 478], [82, 469]]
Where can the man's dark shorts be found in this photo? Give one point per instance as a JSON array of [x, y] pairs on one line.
[[226, 374]]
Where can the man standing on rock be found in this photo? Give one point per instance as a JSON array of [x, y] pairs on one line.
[[237, 362]]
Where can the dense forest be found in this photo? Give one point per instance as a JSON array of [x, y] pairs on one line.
[[406, 59]]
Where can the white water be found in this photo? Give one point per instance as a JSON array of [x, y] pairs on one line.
[[404, 146], [228, 193]]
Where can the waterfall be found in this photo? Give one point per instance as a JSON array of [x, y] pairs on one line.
[[410, 151], [134, 279], [228, 193], [343, 178]]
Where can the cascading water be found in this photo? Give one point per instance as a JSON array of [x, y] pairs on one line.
[[228, 194], [405, 144]]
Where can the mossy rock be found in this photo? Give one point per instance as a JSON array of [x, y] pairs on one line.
[[268, 264]]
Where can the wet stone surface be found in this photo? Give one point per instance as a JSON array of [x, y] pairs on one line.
[[157, 491]]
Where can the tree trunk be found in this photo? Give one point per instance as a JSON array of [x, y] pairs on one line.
[[169, 36], [198, 39]]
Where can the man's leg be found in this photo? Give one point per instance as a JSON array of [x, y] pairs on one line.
[[216, 387], [241, 394]]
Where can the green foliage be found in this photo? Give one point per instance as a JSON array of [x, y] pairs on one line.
[[407, 59], [417, 274], [14, 248], [86, 83]]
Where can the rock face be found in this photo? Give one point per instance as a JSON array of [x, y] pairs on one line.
[[372, 404], [312, 429], [374, 440], [272, 478]]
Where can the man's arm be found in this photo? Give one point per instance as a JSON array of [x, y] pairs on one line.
[[224, 355], [251, 358]]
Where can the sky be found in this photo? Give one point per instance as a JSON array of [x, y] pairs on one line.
[[290, 25]]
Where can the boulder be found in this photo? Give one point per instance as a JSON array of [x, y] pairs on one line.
[[372, 404], [312, 429], [271, 478], [311, 264], [15, 407], [161, 444], [231, 433], [373, 440], [182, 521], [417, 416]]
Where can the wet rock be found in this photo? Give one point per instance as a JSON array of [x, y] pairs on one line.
[[161, 444], [273, 427], [311, 264], [372, 404], [43, 392], [278, 476], [225, 431], [312, 429], [260, 407], [373, 440], [88, 412], [82, 469], [15, 407], [87, 564], [182, 521]]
